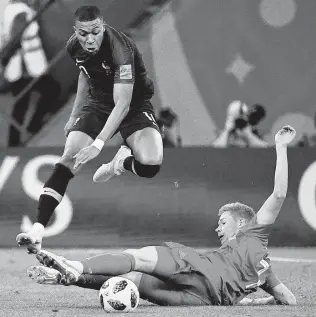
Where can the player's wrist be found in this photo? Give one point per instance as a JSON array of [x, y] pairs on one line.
[[98, 143], [280, 145]]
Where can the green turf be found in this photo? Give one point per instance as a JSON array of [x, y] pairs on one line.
[[20, 296]]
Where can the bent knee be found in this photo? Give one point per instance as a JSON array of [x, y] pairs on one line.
[[145, 258], [135, 277], [149, 159], [67, 159]]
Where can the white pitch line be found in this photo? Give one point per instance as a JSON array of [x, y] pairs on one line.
[[277, 259]]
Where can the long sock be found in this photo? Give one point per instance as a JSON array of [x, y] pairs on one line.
[[53, 192], [139, 169], [96, 281], [91, 281], [109, 264]]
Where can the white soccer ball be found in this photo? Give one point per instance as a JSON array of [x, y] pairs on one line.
[[119, 295]]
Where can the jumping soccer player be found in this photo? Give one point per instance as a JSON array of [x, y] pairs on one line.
[[174, 274], [113, 95]]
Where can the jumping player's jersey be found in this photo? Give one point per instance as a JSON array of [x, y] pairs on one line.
[[117, 61], [239, 267]]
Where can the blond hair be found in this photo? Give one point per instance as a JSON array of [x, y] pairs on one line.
[[238, 210]]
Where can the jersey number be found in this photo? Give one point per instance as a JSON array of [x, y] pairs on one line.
[[150, 116], [265, 266]]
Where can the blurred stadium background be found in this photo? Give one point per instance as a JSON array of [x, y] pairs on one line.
[[201, 54]]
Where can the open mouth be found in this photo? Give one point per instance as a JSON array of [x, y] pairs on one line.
[[92, 49]]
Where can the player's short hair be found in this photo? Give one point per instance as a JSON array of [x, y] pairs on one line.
[[238, 210], [87, 13]]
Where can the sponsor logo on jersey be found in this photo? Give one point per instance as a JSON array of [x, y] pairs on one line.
[[126, 72]]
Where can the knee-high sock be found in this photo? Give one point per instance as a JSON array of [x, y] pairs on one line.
[[109, 264], [139, 169], [91, 281], [53, 192]]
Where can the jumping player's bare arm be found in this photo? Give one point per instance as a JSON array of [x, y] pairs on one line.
[[122, 95], [271, 208], [82, 90]]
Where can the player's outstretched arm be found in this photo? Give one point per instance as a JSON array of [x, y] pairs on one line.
[[281, 295], [271, 208]]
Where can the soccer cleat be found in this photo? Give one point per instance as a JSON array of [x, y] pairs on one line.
[[59, 263], [30, 241], [44, 275], [116, 167]]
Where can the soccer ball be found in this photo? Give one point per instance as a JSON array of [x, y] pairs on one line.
[[119, 294]]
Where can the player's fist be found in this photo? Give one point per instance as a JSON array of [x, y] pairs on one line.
[[69, 125], [285, 136]]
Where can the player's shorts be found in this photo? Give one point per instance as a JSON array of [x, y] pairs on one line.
[[189, 276], [92, 122], [166, 293]]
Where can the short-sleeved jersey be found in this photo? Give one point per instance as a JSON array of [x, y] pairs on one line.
[[238, 267], [117, 61]]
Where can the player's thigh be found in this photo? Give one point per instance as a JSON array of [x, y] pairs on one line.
[[165, 293], [84, 131], [147, 146], [158, 261], [76, 141], [141, 133]]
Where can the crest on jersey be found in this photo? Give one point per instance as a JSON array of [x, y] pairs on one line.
[[106, 68], [126, 72]]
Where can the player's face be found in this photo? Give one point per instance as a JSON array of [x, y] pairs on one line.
[[90, 34], [227, 227]]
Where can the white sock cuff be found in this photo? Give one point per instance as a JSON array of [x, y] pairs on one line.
[[51, 192]]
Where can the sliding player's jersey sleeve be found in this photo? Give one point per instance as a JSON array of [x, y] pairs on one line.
[[123, 58], [271, 281]]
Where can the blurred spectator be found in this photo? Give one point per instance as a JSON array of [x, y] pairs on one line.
[[241, 126], [308, 140], [169, 125], [24, 59]]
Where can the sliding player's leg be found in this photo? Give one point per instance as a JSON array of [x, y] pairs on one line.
[[150, 288], [157, 261]]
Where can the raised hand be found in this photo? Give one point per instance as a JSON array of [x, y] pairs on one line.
[[285, 135]]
